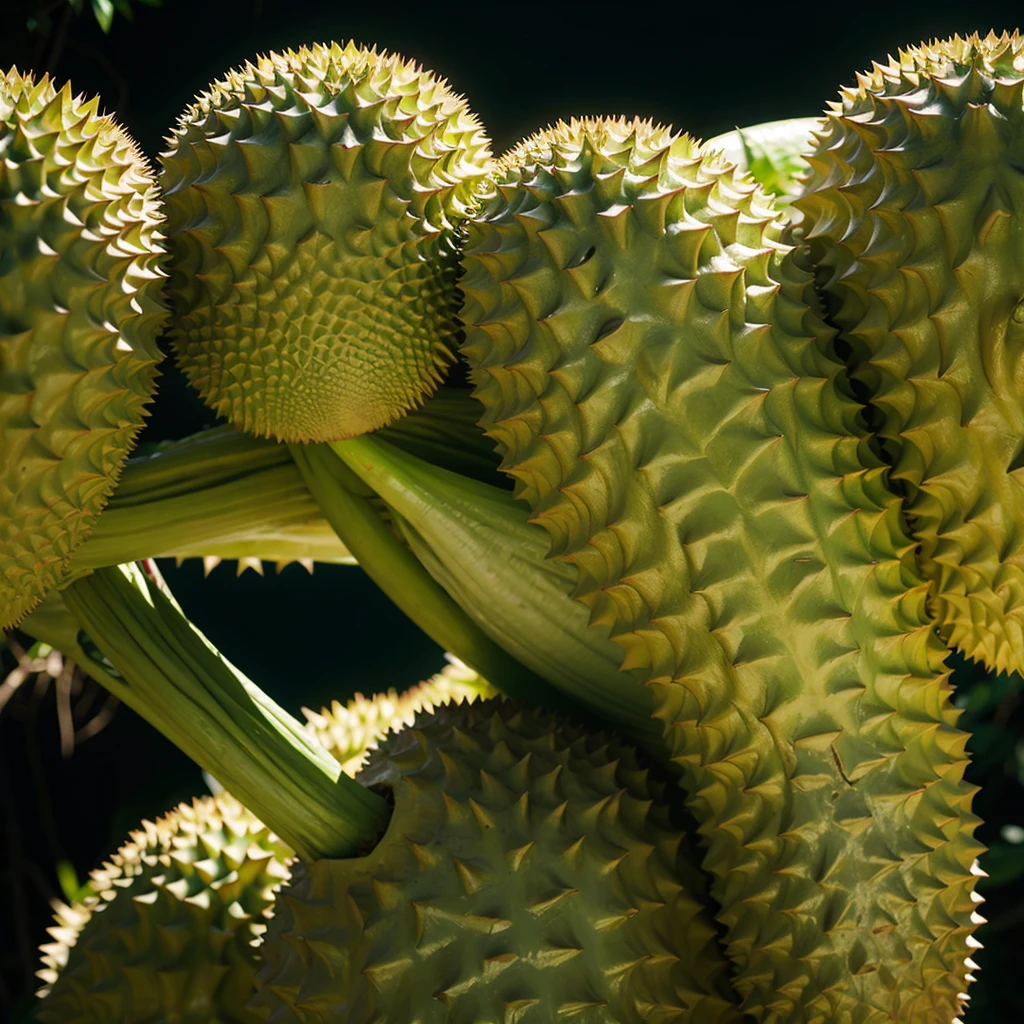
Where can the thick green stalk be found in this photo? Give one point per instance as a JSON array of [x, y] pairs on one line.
[[397, 572], [136, 642], [476, 541], [226, 494], [217, 493]]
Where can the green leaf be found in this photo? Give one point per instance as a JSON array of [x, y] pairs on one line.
[[773, 153], [104, 12], [67, 879]]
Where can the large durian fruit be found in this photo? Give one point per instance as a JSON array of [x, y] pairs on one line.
[[656, 376], [530, 872], [177, 914], [312, 200], [914, 212], [80, 246], [168, 935], [349, 731]]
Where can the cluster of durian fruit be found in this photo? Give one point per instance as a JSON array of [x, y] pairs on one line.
[[764, 441]]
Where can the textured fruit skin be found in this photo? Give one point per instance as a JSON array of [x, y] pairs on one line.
[[914, 212], [349, 731], [80, 246], [657, 386], [312, 199], [169, 935], [528, 874]]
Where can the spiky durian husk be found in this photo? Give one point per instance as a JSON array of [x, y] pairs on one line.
[[311, 201], [657, 385], [528, 874], [79, 313], [169, 935], [913, 211], [349, 731]]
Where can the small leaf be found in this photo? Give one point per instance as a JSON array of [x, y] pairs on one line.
[[104, 12], [67, 878]]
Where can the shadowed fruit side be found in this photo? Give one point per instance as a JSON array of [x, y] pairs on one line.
[[80, 248]]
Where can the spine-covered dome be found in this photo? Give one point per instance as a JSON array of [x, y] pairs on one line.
[[313, 198], [168, 935], [80, 247]]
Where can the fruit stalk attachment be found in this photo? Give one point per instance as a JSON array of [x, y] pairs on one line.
[[136, 642], [394, 569], [475, 540]]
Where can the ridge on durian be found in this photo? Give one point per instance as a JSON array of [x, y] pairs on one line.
[[169, 934], [913, 210], [530, 873], [655, 371], [80, 246], [349, 731], [313, 199]]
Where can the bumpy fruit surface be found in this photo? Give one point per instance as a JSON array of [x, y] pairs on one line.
[[79, 313], [311, 199], [914, 212], [657, 383], [529, 873], [349, 731], [169, 935]]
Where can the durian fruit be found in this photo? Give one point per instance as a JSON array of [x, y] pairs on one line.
[[80, 246], [655, 375], [312, 200], [169, 934], [914, 212], [349, 731], [530, 873]]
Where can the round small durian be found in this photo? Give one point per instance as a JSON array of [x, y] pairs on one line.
[[169, 934], [349, 731], [529, 873], [313, 199], [80, 247]]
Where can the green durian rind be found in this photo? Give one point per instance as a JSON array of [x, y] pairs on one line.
[[656, 383], [529, 874], [349, 731], [312, 199], [169, 935], [80, 246], [914, 212]]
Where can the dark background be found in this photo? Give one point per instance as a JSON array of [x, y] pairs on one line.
[[703, 67]]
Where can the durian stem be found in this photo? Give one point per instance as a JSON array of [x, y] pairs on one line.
[[217, 493], [136, 641], [476, 543], [397, 572]]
